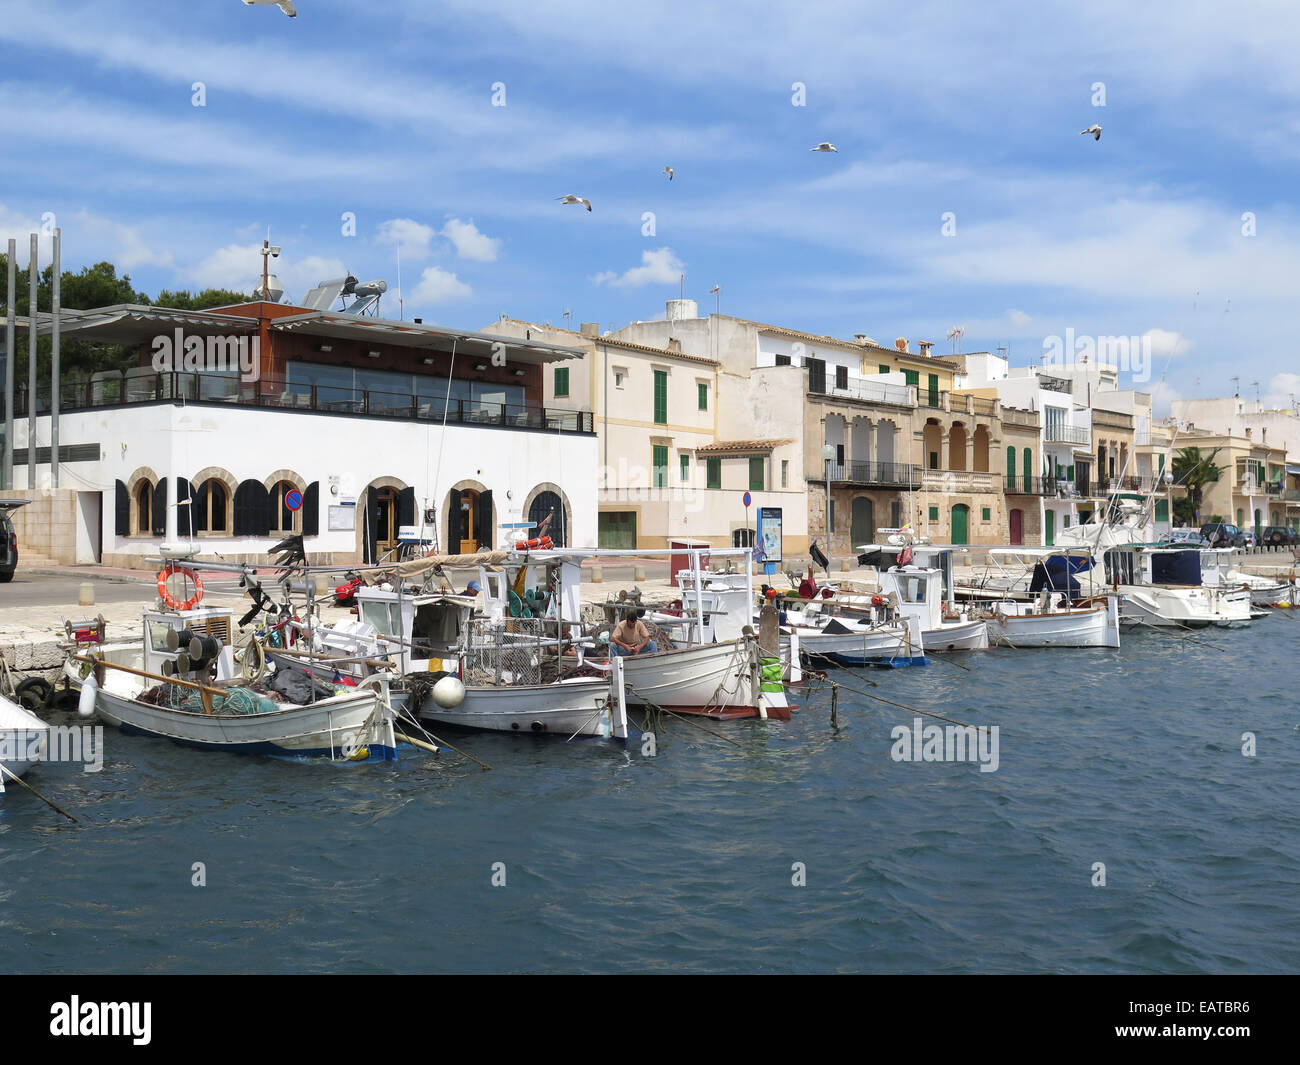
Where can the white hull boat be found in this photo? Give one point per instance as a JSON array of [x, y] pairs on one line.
[[577, 707], [349, 727], [715, 679], [24, 740], [1017, 625], [1179, 607]]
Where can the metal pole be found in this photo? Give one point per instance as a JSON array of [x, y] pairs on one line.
[[11, 299], [31, 366], [828, 509], [54, 365]]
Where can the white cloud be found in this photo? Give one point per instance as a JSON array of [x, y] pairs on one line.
[[1166, 345], [438, 286], [469, 242], [658, 267], [239, 267], [1283, 389], [410, 237], [1018, 318]]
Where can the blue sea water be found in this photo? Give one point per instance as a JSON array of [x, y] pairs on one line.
[[684, 862]]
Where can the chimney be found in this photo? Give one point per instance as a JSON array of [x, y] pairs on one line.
[[674, 344], [860, 338], [901, 343], [590, 329], [1248, 434], [925, 346], [419, 321]]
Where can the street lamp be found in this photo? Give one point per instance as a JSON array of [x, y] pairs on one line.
[[1169, 495], [828, 456]]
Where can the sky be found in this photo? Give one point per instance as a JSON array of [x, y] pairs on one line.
[[167, 137]]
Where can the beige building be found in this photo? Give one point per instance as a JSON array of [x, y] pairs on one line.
[[1250, 492]]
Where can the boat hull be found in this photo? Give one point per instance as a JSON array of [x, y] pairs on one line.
[[568, 708], [876, 647], [24, 740], [1194, 608], [957, 636], [1089, 627], [336, 728], [712, 679]]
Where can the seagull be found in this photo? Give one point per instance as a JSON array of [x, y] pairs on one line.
[[669, 171], [284, 5], [575, 199], [1094, 130], [825, 146]]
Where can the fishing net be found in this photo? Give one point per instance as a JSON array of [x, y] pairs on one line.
[[230, 703]]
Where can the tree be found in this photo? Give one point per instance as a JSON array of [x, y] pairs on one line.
[[209, 297], [1194, 471]]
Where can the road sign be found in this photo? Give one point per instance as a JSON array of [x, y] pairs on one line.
[[747, 499], [293, 499]]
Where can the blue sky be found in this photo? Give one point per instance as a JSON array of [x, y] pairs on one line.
[[385, 109]]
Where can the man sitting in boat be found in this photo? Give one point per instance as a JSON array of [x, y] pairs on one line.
[[631, 637]]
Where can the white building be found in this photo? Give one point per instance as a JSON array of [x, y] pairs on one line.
[[372, 425]]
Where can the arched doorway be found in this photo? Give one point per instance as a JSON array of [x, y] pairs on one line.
[[1016, 520], [960, 523], [862, 528], [549, 505], [469, 520], [387, 508], [957, 446]]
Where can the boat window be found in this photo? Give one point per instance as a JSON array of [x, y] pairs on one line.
[[385, 617], [437, 625], [158, 631]]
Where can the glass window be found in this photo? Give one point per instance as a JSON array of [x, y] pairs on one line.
[[785, 473], [289, 521], [686, 467], [210, 504], [659, 461], [144, 508]]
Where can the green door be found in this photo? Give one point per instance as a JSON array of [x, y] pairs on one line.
[[960, 521], [617, 529], [1049, 528], [1011, 469], [862, 529]]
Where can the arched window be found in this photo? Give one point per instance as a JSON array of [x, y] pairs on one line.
[[285, 520], [209, 503], [144, 508]]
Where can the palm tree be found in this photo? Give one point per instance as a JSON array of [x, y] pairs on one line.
[[1194, 471]]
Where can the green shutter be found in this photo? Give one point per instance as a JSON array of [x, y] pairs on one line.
[[934, 513], [702, 390], [913, 377], [713, 473], [885, 369], [986, 514], [1011, 469], [686, 468], [756, 473], [934, 390], [661, 397], [660, 464], [1029, 470], [561, 380]]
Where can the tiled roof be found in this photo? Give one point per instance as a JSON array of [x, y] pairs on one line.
[[744, 445]]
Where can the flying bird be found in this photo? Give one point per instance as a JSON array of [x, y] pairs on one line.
[[284, 5], [669, 171], [574, 199], [825, 146], [1094, 130]]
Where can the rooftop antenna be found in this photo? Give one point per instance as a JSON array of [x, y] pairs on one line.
[[1256, 384], [682, 280], [401, 307], [568, 318], [955, 334], [1236, 387]]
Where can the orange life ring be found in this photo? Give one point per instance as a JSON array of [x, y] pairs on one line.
[[168, 598]]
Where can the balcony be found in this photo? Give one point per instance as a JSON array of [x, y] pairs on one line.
[[876, 474], [962, 481], [1067, 434], [1015, 416], [1030, 486], [131, 387], [864, 390]]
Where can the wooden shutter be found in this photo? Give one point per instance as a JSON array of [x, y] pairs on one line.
[[483, 519], [252, 513], [816, 375], [122, 511], [311, 509], [405, 507], [160, 506], [661, 397]]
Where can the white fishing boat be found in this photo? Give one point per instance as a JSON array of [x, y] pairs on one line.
[[178, 683], [1051, 612], [574, 707], [721, 680], [1219, 569], [927, 594], [848, 630], [24, 740]]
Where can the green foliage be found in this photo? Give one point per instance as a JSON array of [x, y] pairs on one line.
[[1194, 471], [1184, 511], [92, 286]]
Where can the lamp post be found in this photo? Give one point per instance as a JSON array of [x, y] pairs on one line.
[[828, 456], [1169, 495]]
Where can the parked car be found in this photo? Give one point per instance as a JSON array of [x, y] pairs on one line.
[[8, 539], [1191, 537], [1279, 536], [1221, 534]]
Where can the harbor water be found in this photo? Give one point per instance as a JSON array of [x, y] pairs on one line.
[[807, 847]]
